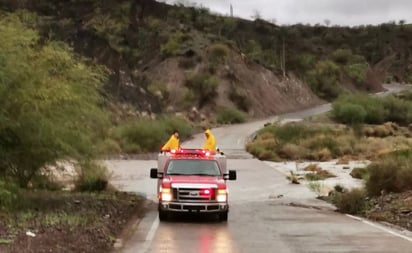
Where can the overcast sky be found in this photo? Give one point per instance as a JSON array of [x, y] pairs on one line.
[[340, 12]]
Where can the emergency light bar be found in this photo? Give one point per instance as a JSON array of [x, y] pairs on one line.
[[192, 152]]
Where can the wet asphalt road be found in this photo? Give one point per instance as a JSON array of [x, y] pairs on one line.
[[267, 214]]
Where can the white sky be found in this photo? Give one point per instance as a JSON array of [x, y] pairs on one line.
[[339, 12]]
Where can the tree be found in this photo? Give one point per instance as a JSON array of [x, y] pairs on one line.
[[49, 102]]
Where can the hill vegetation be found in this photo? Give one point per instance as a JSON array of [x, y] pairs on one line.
[[165, 58]]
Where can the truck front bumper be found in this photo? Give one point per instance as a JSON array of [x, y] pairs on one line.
[[194, 207]]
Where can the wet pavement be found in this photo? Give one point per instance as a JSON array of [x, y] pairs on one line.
[[267, 213]]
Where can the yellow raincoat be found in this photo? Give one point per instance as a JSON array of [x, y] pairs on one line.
[[210, 142], [172, 143]]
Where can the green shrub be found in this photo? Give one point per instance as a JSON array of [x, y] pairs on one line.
[[261, 152], [254, 51], [218, 53], [148, 135], [230, 116], [397, 110], [374, 107], [349, 113], [292, 132], [352, 202], [323, 80], [319, 142], [173, 122], [109, 147], [359, 173], [357, 71], [307, 61], [142, 135], [8, 194], [174, 45], [240, 100], [204, 88], [342, 56], [92, 177], [393, 173]]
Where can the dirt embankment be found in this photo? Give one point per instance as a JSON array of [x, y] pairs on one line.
[[241, 84], [68, 222]]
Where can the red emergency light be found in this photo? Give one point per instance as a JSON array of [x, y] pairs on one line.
[[192, 152], [206, 192]]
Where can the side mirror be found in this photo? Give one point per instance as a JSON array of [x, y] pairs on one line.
[[155, 174], [231, 176]]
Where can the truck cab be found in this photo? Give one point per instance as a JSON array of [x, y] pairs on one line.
[[192, 181]]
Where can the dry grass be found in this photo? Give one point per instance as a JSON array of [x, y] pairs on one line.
[[317, 173], [312, 141]]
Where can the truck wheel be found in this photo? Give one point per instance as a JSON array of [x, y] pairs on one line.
[[223, 216], [163, 216]]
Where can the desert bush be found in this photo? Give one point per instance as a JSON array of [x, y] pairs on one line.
[[342, 56], [349, 113], [204, 88], [92, 177], [323, 79], [254, 51], [392, 173], [261, 152], [148, 135], [173, 46], [397, 110], [351, 202], [289, 133], [230, 116], [109, 147], [50, 102], [359, 173], [142, 135], [159, 90], [240, 100], [292, 151], [357, 71], [375, 110], [218, 53], [8, 193], [307, 62], [323, 145]]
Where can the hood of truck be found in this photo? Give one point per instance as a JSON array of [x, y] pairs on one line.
[[195, 180]]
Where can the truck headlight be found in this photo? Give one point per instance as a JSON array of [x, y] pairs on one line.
[[166, 194], [221, 195]]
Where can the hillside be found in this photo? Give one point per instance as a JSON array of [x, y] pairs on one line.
[[176, 59]]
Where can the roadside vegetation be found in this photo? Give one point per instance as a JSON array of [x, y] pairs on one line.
[[52, 118], [359, 127]]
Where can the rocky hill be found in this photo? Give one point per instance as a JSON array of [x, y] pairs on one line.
[[176, 59]]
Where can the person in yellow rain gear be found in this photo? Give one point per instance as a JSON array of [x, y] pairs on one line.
[[172, 143], [210, 141]]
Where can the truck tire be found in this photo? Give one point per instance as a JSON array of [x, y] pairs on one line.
[[223, 216], [163, 215]]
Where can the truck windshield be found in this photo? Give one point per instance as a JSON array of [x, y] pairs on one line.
[[193, 167]]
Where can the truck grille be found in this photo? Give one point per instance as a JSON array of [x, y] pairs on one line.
[[192, 194]]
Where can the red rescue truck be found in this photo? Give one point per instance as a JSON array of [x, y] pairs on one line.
[[192, 181]]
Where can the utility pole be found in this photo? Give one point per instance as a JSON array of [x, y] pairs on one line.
[[284, 59], [231, 10]]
